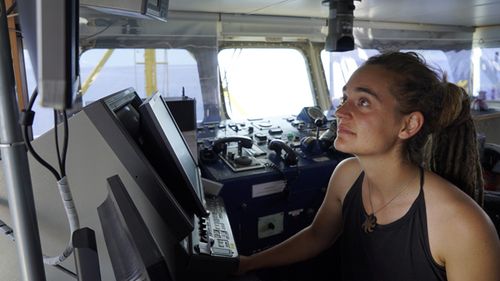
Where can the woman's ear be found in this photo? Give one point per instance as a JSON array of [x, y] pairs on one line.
[[412, 124]]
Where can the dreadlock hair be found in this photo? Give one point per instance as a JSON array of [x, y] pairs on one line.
[[447, 142]]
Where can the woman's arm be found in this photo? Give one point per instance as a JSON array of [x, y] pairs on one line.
[[318, 236], [469, 245]]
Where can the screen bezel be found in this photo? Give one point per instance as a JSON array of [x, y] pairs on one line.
[[127, 148], [162, 154]]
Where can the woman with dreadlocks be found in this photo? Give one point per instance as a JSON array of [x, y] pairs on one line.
[[407, 206]]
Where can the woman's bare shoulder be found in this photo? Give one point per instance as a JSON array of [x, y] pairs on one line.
[[454, 218], [445, 200], [344, 175]]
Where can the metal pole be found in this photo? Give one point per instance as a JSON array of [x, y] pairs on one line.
[[16, 168]]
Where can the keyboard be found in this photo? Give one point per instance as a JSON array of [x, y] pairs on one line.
[[210, 252], [214, 236]]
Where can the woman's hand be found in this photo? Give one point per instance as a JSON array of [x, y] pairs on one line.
[[244, 265]]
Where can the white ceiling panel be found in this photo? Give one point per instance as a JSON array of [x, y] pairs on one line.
[[448, 12]]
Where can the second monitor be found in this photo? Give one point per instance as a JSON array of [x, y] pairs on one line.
[[168, 152]]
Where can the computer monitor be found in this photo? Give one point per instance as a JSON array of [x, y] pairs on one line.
[[169, 153], [118, 120]]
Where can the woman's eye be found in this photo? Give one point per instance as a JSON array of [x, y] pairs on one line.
[[342, 101], [363, 102]]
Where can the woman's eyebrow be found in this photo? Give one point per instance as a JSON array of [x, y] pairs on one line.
[[368, 91], [363, 90]]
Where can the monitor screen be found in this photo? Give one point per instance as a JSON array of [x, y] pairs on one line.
[[118, 119], [125, 105], [169, 153]]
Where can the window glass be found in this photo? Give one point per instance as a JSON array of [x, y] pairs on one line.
[[176, 72], [264, 82], [460, 66], [455, 64], [338, 68], [487, 73], [175, 69]]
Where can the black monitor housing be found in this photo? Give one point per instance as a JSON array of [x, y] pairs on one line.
[[118, 120], [134, 253], [340, 23], [169, 153]]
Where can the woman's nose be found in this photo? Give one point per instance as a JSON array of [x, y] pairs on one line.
[[342, 110]]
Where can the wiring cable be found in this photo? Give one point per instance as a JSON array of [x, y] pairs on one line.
[[5, 229], [286, 179], [56, 137], [110, 23], [61, 158], [74, 224], [65, 145], [286, 183], [26, 120], [67, 271]]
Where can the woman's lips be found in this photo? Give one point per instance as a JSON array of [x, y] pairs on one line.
[[344, 130]]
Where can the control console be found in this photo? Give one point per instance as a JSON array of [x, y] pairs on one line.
[[274, 172], [237, 152]]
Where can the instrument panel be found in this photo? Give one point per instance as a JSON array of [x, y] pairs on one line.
[[274, 172]]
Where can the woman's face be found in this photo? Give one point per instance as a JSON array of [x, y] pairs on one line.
[[368, 122]]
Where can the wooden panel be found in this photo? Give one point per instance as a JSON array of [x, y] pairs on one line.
[[14, 46]]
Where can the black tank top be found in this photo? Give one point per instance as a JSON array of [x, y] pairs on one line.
[[396, 251]]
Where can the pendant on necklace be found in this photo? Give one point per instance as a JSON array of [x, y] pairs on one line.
[[370, 223]]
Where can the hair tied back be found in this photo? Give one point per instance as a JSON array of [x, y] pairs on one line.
[[455, 106]]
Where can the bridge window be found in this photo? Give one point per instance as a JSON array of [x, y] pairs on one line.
[[487, 73], [339, 66], [456, 65], [168, 71], [106, 71], [264, 82]]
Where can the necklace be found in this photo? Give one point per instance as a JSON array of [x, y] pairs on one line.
[[371, 220]]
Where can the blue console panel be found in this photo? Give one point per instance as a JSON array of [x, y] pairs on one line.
[[269, 196]]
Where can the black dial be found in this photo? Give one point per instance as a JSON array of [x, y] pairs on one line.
[[315, 113]]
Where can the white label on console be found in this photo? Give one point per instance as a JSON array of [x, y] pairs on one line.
[[267, 188]]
